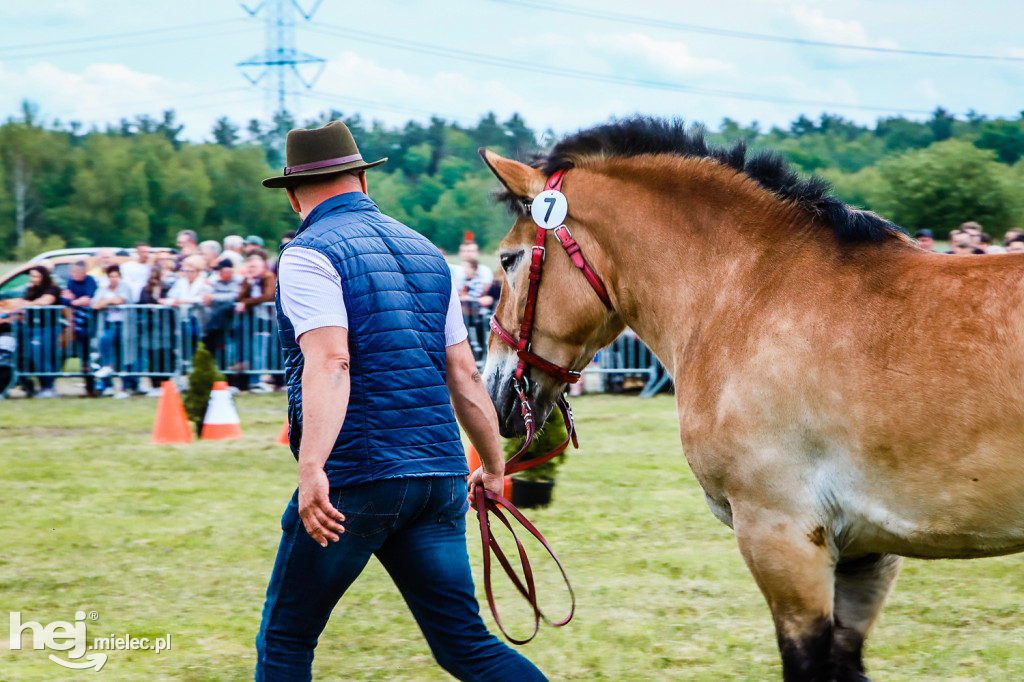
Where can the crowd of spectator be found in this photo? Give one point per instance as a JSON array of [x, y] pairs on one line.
[[222, 286], [969, 239]]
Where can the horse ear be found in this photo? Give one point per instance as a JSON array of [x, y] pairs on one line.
[[518, 178]]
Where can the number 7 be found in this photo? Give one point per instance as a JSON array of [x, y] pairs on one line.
[[550, 201]]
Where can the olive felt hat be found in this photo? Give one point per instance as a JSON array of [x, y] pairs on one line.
[[318, 153]]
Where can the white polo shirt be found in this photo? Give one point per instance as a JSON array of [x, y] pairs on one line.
[[311, 295]]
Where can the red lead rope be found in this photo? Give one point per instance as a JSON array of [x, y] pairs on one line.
[[485, 501]]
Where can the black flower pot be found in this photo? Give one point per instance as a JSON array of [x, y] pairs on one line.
[[527, 494]]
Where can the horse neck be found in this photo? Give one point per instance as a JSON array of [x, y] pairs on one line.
[[688, 254]]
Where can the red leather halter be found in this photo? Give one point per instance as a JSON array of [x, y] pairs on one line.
[[486, 501], [523, 346]]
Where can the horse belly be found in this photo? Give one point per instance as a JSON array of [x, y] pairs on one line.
[[937, 528]]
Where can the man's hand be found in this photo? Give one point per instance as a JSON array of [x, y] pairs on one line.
[[492, 482], [319, 516]]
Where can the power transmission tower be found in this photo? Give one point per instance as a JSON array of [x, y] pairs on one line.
[[278, 66]]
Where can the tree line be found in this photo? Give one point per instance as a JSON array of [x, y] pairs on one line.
[[137, 180]]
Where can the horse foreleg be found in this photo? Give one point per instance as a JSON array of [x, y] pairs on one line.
[[793, 566], [862, 586]]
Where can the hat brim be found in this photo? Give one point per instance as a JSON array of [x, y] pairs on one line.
[[318, 173]]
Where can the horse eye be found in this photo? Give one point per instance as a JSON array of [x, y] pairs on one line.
[[509, 260]]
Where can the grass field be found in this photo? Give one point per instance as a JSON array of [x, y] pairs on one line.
[[181, 539]]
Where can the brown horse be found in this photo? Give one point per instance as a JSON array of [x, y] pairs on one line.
[[845, 398]]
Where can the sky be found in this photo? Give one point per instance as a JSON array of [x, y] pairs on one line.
[[561, 64]]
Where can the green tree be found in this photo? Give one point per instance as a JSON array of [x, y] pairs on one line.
[[941, 124], [467, 206], [33, 162], [1006, 138], [946, 184], [225, 133], [31, 245]]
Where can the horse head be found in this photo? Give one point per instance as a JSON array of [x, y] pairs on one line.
[[570, 322]]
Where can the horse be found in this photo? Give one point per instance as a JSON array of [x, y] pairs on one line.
[[845, 398]]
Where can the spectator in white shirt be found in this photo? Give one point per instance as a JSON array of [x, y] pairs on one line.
[[135, 272], [191, 285], [108, 297]]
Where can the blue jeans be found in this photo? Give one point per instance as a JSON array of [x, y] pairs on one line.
[[417, 529], [110, 353]]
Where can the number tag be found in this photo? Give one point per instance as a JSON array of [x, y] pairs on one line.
[[549, 209]]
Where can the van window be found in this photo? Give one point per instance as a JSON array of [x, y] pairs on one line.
[[15, 287]]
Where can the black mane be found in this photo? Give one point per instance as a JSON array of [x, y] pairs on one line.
[[646, 135]]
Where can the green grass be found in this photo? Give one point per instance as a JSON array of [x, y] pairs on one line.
[[6, 267], [181, 539]]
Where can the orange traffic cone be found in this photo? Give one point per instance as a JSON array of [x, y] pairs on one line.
[[171, 424], [221, 420], [473, 459], [282, 437]]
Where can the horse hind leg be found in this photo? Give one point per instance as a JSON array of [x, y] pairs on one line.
[[861, 587], [793, 566]]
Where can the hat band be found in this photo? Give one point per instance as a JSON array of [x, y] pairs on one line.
[[323, 164]]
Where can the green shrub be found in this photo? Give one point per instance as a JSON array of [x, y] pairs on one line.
[[200, 383], [551, 435]]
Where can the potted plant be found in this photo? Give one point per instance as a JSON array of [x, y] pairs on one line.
[[533, 487], [200, 383]]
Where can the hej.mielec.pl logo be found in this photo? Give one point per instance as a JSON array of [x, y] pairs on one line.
[[72, 638]]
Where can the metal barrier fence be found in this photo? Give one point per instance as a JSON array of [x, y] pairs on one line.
[[135, 341], [159, 342]]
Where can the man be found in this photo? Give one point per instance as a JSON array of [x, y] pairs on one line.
[[108, 297], [135, 272], [925, 239], [233, 250], [375, 359], [210, 251], [973, 230], [187, 243], [963, 246], [471, 274], [258, 287], [1015, 245], [253, 244], [104, 259], [78, 295], [220, 303]]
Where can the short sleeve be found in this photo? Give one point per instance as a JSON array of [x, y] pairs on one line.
[[454, 327], [311, 293]]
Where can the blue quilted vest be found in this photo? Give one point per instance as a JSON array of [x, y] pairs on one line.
[[397, 287]]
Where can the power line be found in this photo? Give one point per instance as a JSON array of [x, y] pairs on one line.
[[330, 97], [118, 46], [112, 36], [139, 103], [620, 18], [547, 69]]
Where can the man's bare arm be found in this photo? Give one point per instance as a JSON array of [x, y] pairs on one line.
[[325, 392], [475, 412]]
